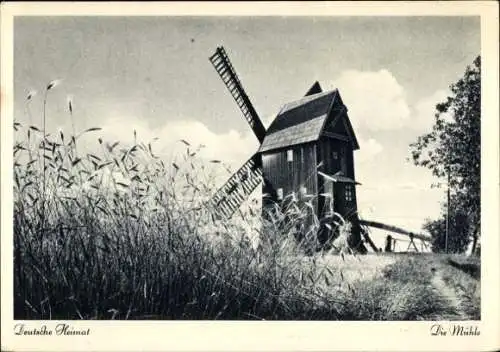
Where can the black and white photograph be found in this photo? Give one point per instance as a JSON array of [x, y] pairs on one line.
[[285, 168]]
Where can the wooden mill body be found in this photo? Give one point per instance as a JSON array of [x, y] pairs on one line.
[[307, 154]]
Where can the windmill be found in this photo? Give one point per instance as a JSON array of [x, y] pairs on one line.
[[306, 153]]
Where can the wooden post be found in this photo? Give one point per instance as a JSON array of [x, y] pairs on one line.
[[447, 213], [389, 244], [364, 231]]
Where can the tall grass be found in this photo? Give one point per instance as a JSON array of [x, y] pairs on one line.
[[117, 233]]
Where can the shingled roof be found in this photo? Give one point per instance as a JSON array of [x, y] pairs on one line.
[[300, 121]]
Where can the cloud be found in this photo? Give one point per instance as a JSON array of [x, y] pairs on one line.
[[231, 147], [375, 99], [368, 148], [424, 110]]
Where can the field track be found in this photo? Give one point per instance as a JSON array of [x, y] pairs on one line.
[[451, 297], [415, 286]]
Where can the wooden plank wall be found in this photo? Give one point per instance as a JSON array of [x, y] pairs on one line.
[[280, 173]]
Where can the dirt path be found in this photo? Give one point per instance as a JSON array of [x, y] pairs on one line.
[[450, 295]]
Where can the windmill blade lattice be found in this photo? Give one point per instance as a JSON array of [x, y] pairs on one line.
[[239, 186], [225, 69]]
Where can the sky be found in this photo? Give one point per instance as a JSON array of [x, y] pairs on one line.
[[152, 74]]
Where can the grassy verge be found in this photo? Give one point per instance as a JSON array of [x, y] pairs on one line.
[[402, 292], [464, 279]]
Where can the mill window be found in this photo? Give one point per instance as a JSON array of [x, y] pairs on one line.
[[279, 193], [349, 193], [335, 155], [289, 155]]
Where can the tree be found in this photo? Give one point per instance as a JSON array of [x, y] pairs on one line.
[[452, 150], [458, 232]]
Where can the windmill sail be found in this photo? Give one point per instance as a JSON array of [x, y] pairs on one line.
[[239, 186], [223, 66]]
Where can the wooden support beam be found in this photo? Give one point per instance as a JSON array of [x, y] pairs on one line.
[[368, 239], [395, 229]]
